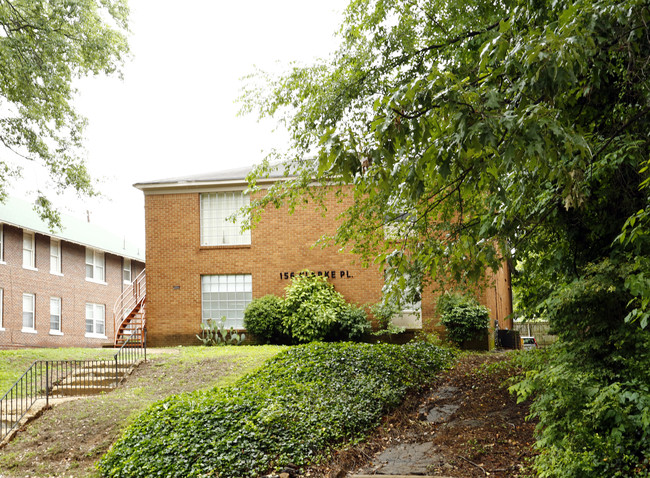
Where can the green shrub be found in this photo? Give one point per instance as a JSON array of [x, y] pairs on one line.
[[384, 313], [294, 409], [263, 318], [314, 311], [591, 390], [352, 324], [463, 317]]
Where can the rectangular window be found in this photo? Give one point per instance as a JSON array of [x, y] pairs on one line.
[[226, 296], [2, 315], [55, 314], [28, 312], [95, 265], [216, 228], [29, 250], [55, 256], [95, 320], [2, 242], [126, 271], [399, 227]]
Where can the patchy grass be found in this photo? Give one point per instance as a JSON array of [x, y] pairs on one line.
[[69, 439]]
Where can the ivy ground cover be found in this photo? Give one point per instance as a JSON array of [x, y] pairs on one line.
[[293, 409]]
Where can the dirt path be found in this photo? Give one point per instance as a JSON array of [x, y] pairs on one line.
[[466, 425]]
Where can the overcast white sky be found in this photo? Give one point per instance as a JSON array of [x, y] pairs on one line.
[[174, 113]]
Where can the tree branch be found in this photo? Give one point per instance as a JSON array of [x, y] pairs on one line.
[[635, 118]]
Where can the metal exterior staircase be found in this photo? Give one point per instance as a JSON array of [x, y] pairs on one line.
[[129, 313]]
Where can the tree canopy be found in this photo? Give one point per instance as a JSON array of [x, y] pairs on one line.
[[482, 128], [45, 45], [479, 130]]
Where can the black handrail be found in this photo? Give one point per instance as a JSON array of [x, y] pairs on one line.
[[46, 379]]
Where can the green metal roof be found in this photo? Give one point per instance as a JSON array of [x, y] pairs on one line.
[[19, 213]]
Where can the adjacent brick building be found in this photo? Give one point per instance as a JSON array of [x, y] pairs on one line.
[[200, 266], [58, 289]]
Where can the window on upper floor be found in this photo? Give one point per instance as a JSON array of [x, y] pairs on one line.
[[226, 296], [126, 271], [29, 250], [398, 227], [2, 242], [29, 301], [55, 256], [216, 228], [95, 320], [95, 265]]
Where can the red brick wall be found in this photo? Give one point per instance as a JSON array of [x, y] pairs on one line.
[[279, 243], [72, 287]]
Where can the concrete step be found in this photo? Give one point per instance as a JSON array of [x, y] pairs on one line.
[[79, 382], [81, 391]]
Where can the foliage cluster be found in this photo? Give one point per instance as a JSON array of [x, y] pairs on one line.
[[514, 128], [311, 310], [292, 410], [44, 48], [214, 332], [384, 313], [592, 389], [463, 317]]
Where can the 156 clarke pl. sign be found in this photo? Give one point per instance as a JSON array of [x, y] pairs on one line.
[[330, 274]]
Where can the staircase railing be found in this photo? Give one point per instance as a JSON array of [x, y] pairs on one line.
[[47, 379], [128, 300]]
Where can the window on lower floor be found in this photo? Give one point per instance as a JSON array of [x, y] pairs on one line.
[[28, 311], [2, 301], [95, 319], [226, 296], [55, 314]]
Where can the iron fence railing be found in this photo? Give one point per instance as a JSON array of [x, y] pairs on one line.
[[48, 379]]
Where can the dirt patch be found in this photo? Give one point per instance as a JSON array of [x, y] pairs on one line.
[[465, 425], [69, 438]]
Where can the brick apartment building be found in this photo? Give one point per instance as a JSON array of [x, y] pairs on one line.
[[58, 289], [200, 266]]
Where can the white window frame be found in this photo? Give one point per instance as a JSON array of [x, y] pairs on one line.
[[216, 229], [96, 261], [95, 321], [2, 309], [2, 244], [226, 295], [55, 257], [29, 299], [56, 312], [31, 258], [126, 269]]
